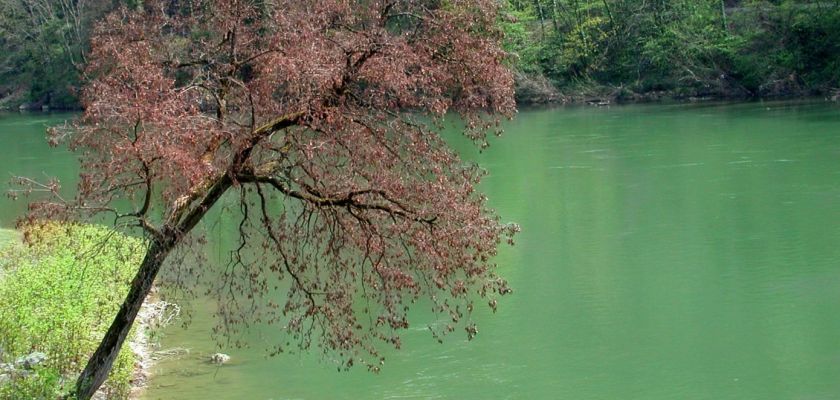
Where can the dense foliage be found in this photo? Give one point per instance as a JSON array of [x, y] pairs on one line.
[[691, 47], [59, 292], [43, 46]]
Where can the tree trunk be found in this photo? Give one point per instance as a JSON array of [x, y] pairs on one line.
[[542, 19], [723, 16], [97, 368], [554, 17], [100, 363]]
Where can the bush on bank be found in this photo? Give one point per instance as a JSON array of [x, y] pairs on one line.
[[58, 294]]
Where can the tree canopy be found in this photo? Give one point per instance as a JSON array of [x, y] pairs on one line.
[[320, 118]]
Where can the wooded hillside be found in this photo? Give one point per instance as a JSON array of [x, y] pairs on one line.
[[716, 48], [562, 49]]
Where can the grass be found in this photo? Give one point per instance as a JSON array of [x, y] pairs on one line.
[[59, 293], [8, 236]]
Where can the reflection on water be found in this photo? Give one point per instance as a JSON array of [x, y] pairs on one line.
[[667, 252]]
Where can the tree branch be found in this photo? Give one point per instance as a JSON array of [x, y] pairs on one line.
[[346, 200]]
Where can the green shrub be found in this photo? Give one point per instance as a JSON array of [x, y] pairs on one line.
[[59, 294]]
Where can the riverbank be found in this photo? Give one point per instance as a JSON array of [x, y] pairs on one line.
[[60, 291], [155, 315], [537, 90], [16, 101]]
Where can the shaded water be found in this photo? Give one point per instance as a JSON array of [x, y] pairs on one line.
[[668, 251]]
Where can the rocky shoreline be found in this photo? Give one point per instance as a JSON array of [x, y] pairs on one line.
[[155, 314], [538, 90]]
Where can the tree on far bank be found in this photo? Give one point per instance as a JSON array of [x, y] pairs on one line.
[[320, 119]]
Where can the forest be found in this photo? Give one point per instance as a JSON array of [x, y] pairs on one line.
[[634, 49], [561, 50]]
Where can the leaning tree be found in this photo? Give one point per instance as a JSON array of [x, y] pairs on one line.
[[320, 118]]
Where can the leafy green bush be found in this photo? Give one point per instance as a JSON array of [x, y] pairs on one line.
[[59, 293]]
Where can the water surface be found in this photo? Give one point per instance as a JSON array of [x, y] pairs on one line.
[[684, 251]]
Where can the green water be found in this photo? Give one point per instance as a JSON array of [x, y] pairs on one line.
[[668, 252], [24, 152]]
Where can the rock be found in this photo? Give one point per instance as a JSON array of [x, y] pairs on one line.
[[31, 361], [22, 373], [219, 358], [598, 102], [4, 379]]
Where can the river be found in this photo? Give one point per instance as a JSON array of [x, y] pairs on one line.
[[683, 251]]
